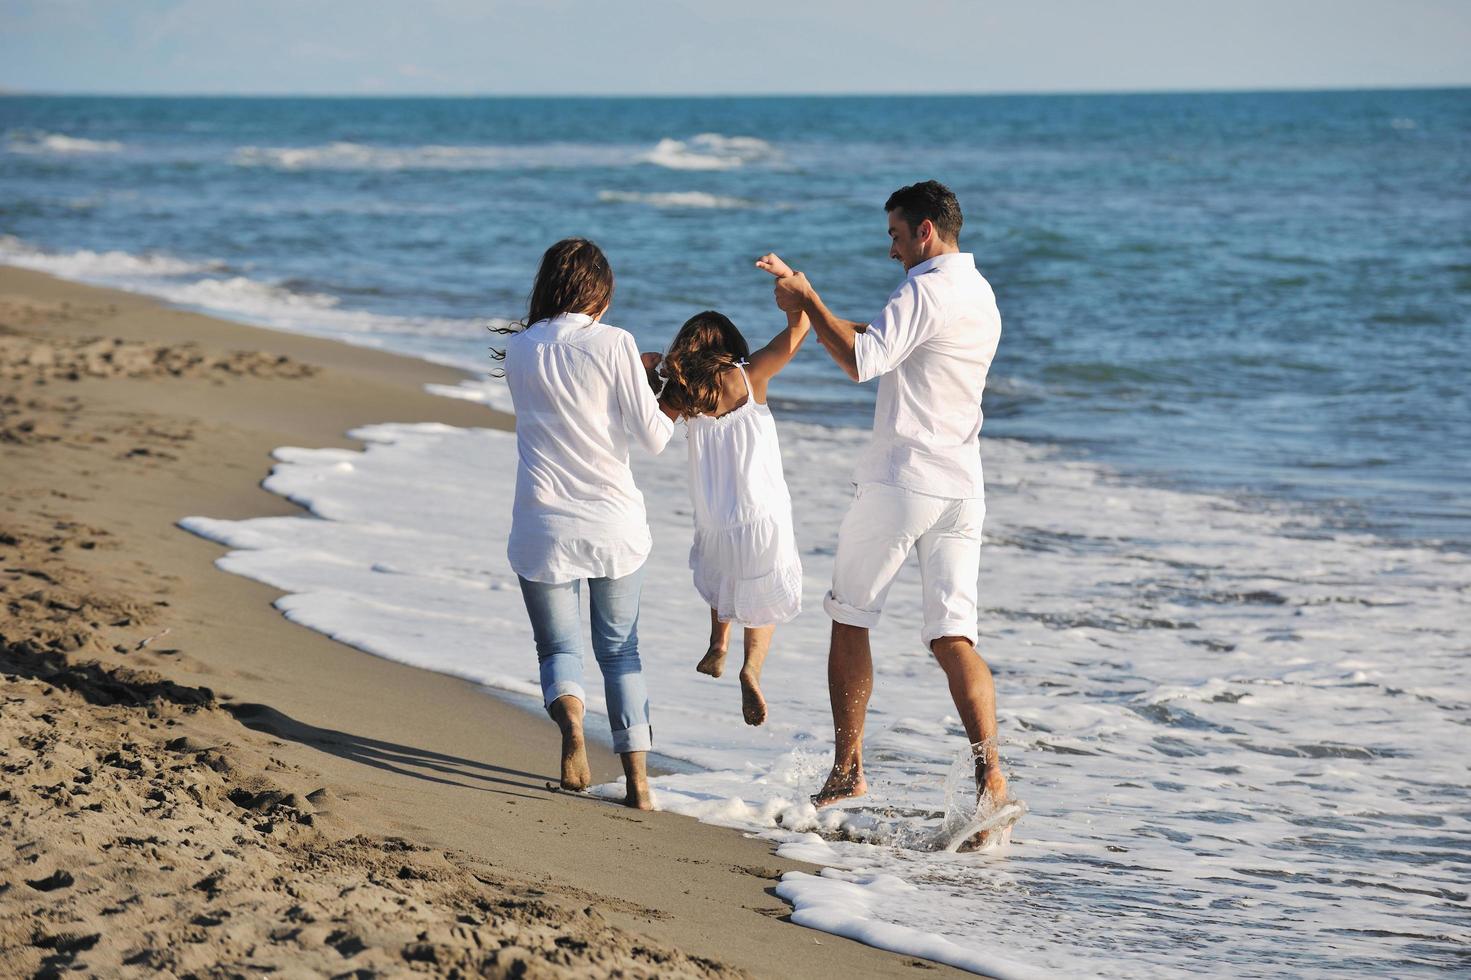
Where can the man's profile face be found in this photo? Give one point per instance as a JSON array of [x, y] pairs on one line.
[[904, 243]]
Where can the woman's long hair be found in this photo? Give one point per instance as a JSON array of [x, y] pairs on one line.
[[706, 346], [574, 278]]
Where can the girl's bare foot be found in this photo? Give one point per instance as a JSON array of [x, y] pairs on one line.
[[757, 641], [567, 711], [753, 705], [843, 783], [713, 662]]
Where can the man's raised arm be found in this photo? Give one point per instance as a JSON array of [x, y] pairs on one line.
[[795, 294]]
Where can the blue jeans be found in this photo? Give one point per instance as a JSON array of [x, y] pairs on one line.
[[556, 622]]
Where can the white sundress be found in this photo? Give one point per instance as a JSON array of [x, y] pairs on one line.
[[744, 555]]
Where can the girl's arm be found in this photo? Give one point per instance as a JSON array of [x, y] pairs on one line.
[[767, 362]]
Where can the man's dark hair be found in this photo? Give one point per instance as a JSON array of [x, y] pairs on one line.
[[928, 199]]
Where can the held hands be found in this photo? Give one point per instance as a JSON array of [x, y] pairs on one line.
[[772, 263], [792, 288], [793, 293], [651, 362]]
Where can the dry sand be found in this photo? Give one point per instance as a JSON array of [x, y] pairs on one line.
[[189, 783]]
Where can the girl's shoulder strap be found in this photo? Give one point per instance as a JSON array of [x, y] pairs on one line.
[[741, 366]]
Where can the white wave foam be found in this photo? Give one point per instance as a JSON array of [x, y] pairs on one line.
[[1182, 751], [200, 285], [89, 265], [706, 151], [686, 200], [710, 151], [34, 142], [360, 156]]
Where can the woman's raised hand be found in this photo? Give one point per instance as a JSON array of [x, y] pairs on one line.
[[772, 263]]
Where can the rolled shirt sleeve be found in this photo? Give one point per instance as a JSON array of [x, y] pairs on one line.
[[643, 420], [910, 318]]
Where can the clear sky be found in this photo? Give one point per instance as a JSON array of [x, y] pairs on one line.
[[712, 46]]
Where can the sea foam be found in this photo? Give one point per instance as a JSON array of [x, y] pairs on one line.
[[1206, 704], [710, 151], [679, 200], [57, 143], [343, 155], [209, 285]]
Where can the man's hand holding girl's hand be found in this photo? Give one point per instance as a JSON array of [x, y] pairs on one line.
[[793, 292]]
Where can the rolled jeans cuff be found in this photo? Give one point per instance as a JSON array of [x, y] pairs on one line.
[[639, 738], [841, 612], [560, 689]]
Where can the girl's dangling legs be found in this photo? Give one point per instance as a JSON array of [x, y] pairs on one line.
[[713, 662], [758, 643]]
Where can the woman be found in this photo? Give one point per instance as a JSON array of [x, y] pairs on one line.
[[582, 395]]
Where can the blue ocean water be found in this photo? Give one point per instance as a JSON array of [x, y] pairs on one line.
[[1264, 293]]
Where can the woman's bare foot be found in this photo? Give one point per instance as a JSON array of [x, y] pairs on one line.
[[753, 705], [576, 773], [567, 712], [638, 796], [713, 662], [843, 783]]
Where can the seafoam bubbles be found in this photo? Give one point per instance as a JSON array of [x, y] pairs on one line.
[[1224, 717], [679, 200], [710, 151], [86, 264], [344, 155], [31, 141]]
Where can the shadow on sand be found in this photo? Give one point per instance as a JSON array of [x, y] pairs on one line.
[[403, 760]]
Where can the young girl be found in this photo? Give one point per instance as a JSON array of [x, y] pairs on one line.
[[744, 556]]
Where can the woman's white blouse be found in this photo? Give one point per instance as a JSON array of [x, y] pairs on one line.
[[581, 397]]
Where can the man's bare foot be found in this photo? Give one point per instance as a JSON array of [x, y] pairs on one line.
[[713, 662], [753, 705], [994, 786], [638, 798], [842, 784], [990, 798]]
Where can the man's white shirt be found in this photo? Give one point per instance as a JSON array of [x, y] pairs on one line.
[[931, 347]]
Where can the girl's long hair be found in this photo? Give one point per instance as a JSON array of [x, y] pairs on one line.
[[574, 278], [706, 346]]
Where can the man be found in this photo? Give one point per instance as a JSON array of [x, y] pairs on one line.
[[919, 483]]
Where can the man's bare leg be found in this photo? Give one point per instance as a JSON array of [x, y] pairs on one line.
[[567, 712], [636, 779], [713, 662], [849, 684], [974, 694], [758, 643]]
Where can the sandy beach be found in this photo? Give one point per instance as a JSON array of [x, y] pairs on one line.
[[189, 783]]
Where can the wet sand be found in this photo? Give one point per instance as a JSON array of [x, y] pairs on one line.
[[189, 782]]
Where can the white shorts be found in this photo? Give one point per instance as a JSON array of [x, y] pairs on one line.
[[882, 525]]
